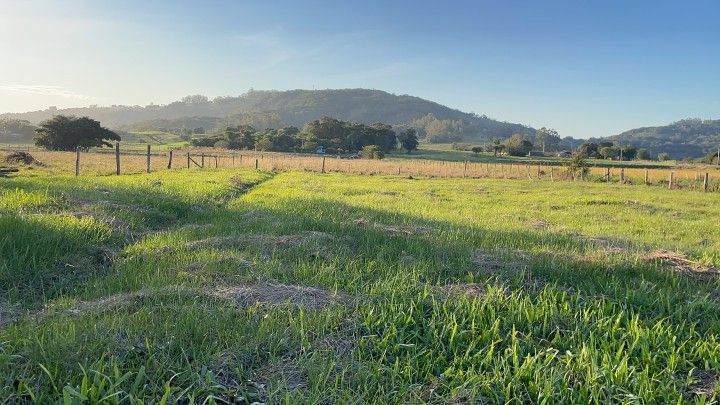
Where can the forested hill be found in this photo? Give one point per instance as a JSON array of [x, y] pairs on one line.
[[685, 138], [297, 107]]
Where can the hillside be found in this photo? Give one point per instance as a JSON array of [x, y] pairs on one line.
[[295, 107], [689, 137]]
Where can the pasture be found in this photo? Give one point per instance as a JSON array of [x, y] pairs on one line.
[[278, 285]]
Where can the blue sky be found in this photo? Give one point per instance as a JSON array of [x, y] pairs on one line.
[[586, 68]]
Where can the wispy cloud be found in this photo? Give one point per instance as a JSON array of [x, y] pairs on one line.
[[56, 91]]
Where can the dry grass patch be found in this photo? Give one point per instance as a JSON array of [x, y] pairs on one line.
[[278, 294], [680, 263], [393, 229], [471, 290], [539, 224], [609, 245], [705, 382], [499, 261], [8, 315]]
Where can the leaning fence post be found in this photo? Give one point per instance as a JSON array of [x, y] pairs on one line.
[[148, 159], [170, 160], [706, 181], [77, 161], [117, 158]]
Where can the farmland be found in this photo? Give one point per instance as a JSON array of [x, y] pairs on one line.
[[283, 285]]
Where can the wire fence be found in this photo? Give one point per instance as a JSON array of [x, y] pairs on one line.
[[105, 161]]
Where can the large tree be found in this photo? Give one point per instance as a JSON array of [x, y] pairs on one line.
[[517, 145], [547, 139], [408, 139], [68, 133]]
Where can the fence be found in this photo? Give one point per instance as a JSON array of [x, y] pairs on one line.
[[117, 161]]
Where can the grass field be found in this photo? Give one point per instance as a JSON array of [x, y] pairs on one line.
[[444, 151], [241, 286]]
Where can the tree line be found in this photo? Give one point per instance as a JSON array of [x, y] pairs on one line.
[[329, 135]]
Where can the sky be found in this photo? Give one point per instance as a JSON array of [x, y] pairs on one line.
[[585, 68]]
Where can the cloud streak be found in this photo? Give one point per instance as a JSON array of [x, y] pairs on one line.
[[42, 90]]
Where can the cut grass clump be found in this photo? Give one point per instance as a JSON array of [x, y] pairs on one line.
[[279, 294]]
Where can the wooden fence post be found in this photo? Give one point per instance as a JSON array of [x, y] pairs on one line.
[[148, 159], [672, 177], [646, 177], [188, 157], [170, 160], [202, 160], [233, 160], [117, 158], [256, 164], [552, 173], [607, 174], [322, 170], [216, 162], [622, 175], [706, 181], [77, 161], [464, 170]]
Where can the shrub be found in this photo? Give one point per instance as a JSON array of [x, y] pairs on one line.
[[372, 152]]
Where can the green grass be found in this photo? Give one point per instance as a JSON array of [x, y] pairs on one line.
[[425, 290], [444, 151]]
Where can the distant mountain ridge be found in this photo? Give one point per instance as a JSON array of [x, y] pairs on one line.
[[691, 137], [294, 107]]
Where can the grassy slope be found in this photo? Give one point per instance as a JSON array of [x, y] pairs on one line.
[[552, 314]]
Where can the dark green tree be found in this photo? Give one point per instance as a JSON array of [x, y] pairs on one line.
[[68, 133], [408, 140]]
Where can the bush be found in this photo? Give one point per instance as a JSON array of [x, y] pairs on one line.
[[476, 149], [663, 156], [372, 152]]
